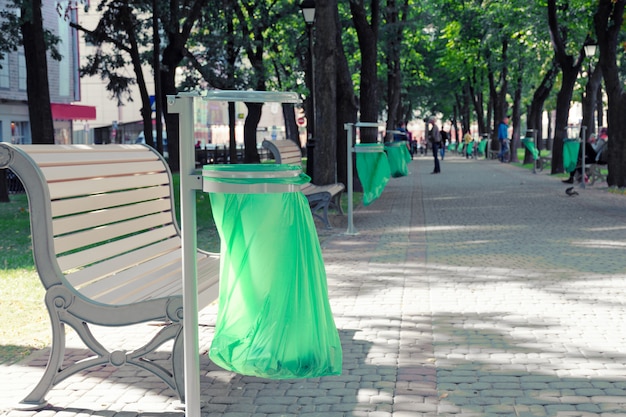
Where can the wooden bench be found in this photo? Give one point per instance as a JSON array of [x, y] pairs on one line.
[[321, 197], [107, 249]]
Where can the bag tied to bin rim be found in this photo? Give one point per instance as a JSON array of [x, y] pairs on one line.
[[372, 166], [399, 157], [274, 318], [571, 147]]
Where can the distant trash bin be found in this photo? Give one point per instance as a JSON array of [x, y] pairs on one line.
[[274, 318], [571, 147], [372, 166], [399, 156], [529, 143]]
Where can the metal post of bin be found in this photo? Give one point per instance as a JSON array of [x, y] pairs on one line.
[[349, 127], [350, 139], [183, 105], [583, 150]]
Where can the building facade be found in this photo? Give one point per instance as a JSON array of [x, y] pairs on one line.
[[63, 79]]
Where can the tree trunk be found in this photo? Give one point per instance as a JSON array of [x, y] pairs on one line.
[[394, 73], [325, 152], [367, 34], [478, 103], [173, 54], [608, 22], [251, 154], [347, 108], [4, 188], [291, 128], [590, 100], [540, 96], [570, 68], [129, 23], [37, 87], [563, 101], [517, 116], [172, 57]]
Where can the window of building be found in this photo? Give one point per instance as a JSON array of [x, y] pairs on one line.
[[21, 71], [4, 73]]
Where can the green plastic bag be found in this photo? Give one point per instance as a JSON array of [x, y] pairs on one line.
[[372, 166], [482, 145], [570, 154], [274, 318], [530, 145], [398, 162]]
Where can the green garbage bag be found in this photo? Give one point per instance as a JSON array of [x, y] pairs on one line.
[[470, 148], [372, 166], [397, 154], [459, 148], [570, 154], [482, 145], [274, 318], [451, 146], [529, 143]]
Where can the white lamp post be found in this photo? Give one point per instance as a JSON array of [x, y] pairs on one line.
[[308, 14]]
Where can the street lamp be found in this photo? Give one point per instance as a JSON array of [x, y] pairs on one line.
[[590, 51], [307, 7], [308, 11]]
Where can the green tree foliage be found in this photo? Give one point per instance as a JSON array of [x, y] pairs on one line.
[[119, 37]]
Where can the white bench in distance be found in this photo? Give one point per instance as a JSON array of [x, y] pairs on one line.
[[107, 249], [321, 197]]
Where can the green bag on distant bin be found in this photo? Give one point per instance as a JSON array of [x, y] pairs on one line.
[[274, 318], [482, 146], [372, 166], [398, 156], [529, 143], [571, 148]]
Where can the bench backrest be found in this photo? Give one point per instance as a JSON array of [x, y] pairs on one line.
[[102, 206], [284, 151]]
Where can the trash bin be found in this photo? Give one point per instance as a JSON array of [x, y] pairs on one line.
[[274, 318], [372, 166], [529, 143], [571, 147], [399, 156]]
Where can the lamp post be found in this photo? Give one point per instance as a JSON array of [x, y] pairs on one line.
[[307, 7], [590, 50]]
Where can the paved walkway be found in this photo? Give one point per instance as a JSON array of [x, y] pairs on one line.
[[482, 291]]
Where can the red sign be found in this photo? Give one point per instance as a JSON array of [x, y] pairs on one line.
[[301, 121]]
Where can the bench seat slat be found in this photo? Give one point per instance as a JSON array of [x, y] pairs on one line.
[[73, 172], [116, 248], [101, 201], [156, 278], [94, 219], [60, 190], [119, 288], [86, 238], [121, 262], [47, 148], [208, 280], [57, 159]]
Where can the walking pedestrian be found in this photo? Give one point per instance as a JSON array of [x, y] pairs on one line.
[[435, 139], [503, 138]]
